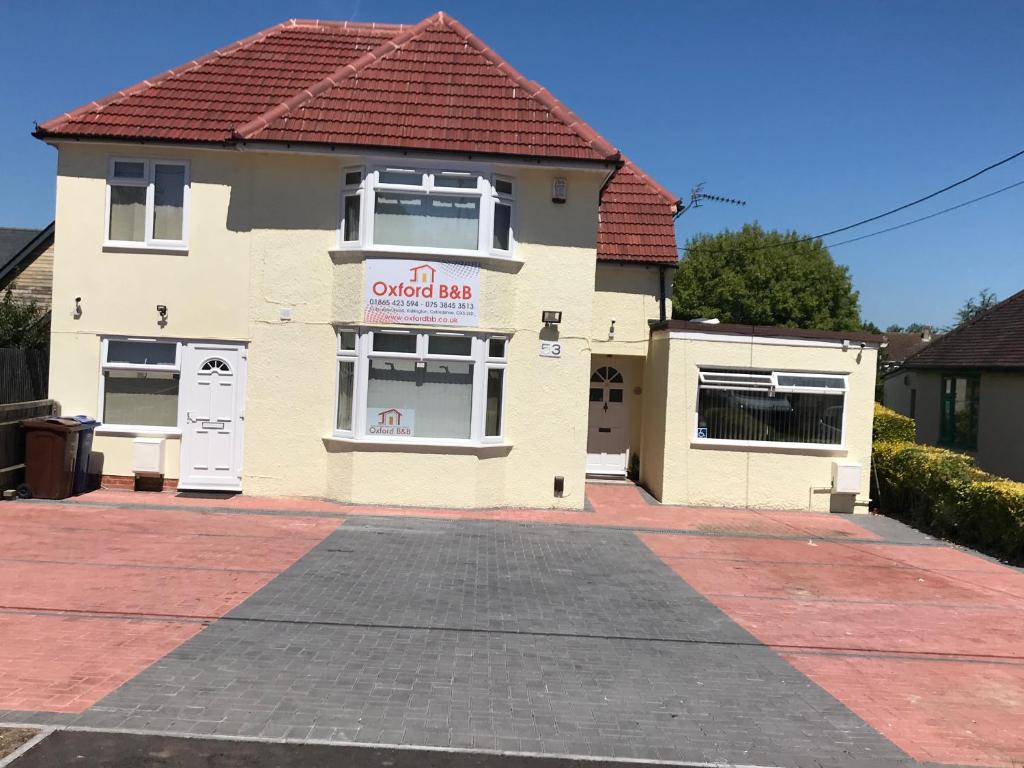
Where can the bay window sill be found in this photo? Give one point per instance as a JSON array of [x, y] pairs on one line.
[[359, 253], [337, 443]]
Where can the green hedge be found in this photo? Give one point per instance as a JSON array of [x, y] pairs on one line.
[[890, 426], [944, 493]]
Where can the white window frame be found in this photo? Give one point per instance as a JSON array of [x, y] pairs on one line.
[[479, 357], [148, 181], [105, 365], [768, 381], [485, 190]]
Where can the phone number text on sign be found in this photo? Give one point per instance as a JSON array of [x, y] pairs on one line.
[[421, 292]]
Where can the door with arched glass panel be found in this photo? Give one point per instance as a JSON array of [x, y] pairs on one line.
[[607, 432], [213, 399]]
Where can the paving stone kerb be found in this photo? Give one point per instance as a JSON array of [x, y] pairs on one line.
[[496, 636]]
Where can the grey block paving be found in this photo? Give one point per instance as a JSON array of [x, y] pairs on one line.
[[497, 636]]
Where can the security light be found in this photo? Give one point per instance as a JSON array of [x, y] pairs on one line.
[[551, 316]]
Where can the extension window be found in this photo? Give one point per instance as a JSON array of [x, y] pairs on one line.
[[771, 408]]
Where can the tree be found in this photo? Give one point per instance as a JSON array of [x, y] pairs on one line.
[[765, 278], [22, 323], [974, 306]]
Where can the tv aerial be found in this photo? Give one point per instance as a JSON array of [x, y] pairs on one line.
[[698, 196]]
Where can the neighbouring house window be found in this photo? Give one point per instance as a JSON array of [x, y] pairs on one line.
[[139, 383], [958, 424], [419, 210], [398, 385], [147, 202], [771, 407], [913, 404]]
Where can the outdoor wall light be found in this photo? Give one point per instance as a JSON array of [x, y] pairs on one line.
[[161, 309], [551, 317], [77, 311]]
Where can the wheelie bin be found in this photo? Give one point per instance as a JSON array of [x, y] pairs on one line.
[[51, 449]]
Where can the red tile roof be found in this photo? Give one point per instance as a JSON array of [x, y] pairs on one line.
[[637, 219], [992, 341], [429, 86]]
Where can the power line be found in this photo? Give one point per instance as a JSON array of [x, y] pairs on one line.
[[890, 212], [925, 218]]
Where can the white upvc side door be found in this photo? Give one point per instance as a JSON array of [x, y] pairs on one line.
[[212, 416], [607, 429]]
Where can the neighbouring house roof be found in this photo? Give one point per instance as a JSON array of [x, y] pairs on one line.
[[767, 331], [431, 86], [17, 245], [903, 345], [993, 340]]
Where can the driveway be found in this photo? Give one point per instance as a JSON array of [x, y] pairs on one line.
[[627, 630]]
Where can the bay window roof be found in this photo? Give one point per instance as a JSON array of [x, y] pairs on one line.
[[335, 83]]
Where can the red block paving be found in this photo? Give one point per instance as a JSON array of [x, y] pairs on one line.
[[66, 664], [61, 563], [921, 642]]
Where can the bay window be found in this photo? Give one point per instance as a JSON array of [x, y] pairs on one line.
[[420, 387], [771, 408], [139, 383], [147, 203], [424, 211]]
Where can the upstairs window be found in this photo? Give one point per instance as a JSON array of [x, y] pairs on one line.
[[427, 211], [771, 408], [147, 202]]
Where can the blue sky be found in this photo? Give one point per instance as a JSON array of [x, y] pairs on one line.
[[818, 113]]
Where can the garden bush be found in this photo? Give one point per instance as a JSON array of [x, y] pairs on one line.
[[944, 493], [890, 426]]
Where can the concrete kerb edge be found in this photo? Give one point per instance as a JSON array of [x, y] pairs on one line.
[[365, 745], [42, 734]]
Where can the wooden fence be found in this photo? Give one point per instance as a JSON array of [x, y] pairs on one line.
[[12, 438], [23, 374]]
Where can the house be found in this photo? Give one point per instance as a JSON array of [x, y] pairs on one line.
[[899, 386], [26, 264], [970, 389], [344, 219]]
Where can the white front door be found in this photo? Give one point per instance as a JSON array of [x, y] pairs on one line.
[[607, 430], [212, 403]]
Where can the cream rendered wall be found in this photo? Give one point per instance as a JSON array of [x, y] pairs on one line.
[[261, 229], [627, 294], [656, 415], [289, 448], [760, 477], [204, 290], [1001, 424]]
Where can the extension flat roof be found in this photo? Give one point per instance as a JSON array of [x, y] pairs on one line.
[[432, 86]]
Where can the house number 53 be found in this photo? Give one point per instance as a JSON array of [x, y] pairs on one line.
[[550, 349]]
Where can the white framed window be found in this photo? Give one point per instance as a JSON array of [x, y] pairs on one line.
[[147, 203], [780, 408], [427, 211], [139, 381], [420, 387]]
